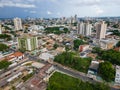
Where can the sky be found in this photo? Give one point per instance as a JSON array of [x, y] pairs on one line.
[[58, 8]]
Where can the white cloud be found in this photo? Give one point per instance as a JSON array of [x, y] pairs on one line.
[[98, 10], [49, 12], [16, 4], [33, 12]]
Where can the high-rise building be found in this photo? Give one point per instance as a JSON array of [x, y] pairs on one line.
[[101, 30], [27, 42], [18, 23], [84, 29], [0, 29]]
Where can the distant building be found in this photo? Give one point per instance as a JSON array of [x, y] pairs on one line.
[[101, 30], [0, 29], [107, 44], [117, 76], [27, 42], [84, 29], [17, 24]]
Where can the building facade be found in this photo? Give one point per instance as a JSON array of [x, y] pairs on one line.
[[18, 23], [101, 30], [28, 43], [84, 29], [0, 29]]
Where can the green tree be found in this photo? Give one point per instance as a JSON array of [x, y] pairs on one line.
[[118, 44], [77, 43], [5, 36], [4, 64], [55, 46], [106, 71], [3, 47]]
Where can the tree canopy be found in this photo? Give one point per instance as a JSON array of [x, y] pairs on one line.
[[109, 55], [74, 61], [3, 47], [5, 36], [118, 44], [106, 71], [4, 64], [77, 43], [56, 30]]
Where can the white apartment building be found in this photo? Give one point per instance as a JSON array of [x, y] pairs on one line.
[[18, 24], [84, 29], [101, 30], [0, 29]]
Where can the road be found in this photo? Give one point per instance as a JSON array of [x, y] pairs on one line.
[[74, 74]]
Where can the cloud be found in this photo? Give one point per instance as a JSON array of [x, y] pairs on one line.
[[49, 12], [16, 4], [85, 2], [33, 12], [98, 10]]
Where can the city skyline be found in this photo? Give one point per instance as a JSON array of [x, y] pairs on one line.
[[58, 8]]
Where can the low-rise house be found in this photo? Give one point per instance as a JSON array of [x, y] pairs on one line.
[[39, 81], [107, 44], [93, 69], [60, 49], [83, 48], [46, 56], [15, 57]]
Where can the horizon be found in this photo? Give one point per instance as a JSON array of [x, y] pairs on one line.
[[57, 9]]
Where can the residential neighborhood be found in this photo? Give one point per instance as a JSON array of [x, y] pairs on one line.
[[45, 53]]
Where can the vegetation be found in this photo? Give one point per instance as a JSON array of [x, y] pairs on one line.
[[116, 32], [77, 43], [109, 55], [115, 26], [5, 36], [118, 44], [4, 64], [22, 50], [74, 61], [7, 28], [106, 70], [60, 81], [55, 46], [56, 30], [25, 78], [3, 47]]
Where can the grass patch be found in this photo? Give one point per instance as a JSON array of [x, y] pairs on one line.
[[63, 82]]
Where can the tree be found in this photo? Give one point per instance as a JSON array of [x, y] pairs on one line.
[[77, 43], [5, 36], [4, 64], [3, 47], [118, 44], [55, 46], [106, 71]]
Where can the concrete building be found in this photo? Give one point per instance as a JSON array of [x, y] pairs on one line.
[[101, 30], [84, 29], [107, 44], [27, 42], [17, 24], [83, 48], [93, 69], [117, 76], [0, 29]]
